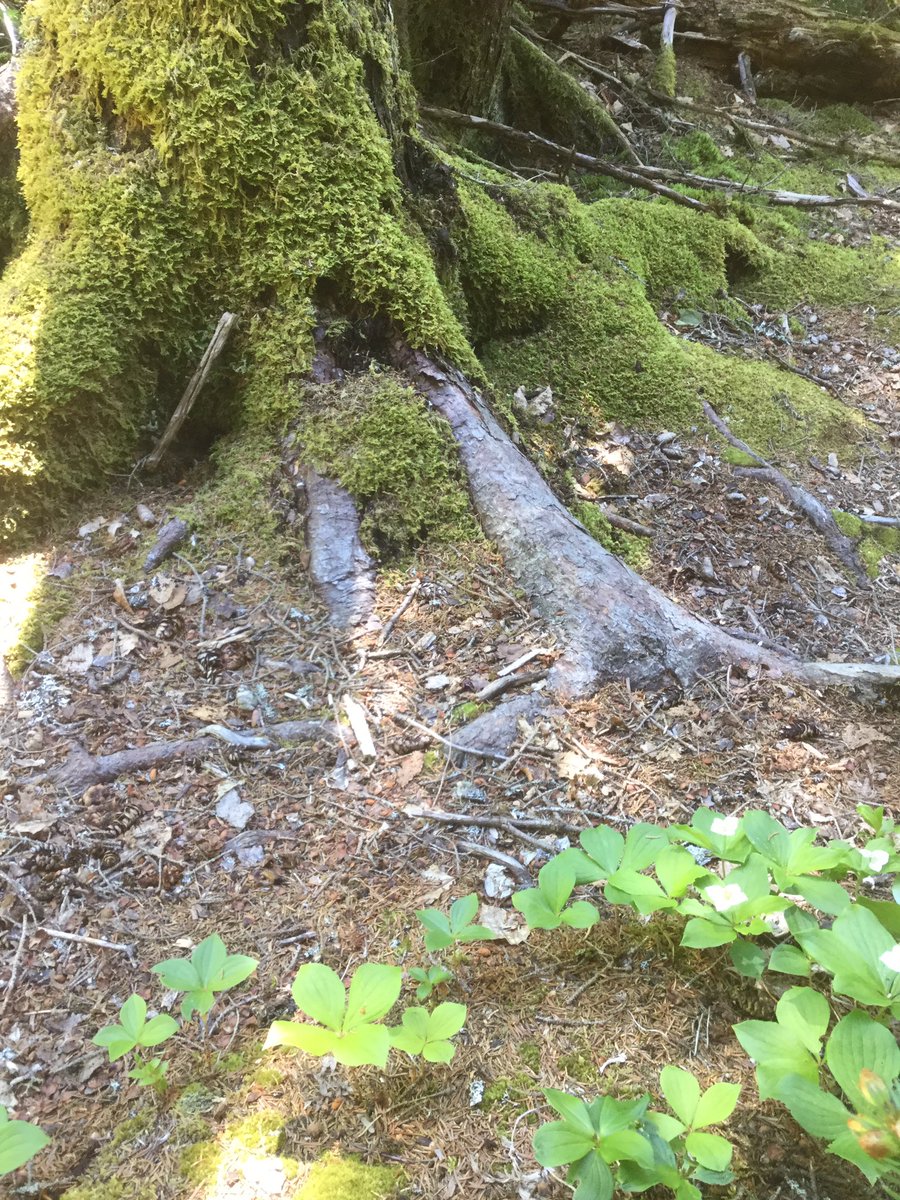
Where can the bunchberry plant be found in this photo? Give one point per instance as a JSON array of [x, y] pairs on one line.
[[134, 1033], [20, 1141], [442, 931], [210, 969], [429, 978], [547, 905], [428, 1033]]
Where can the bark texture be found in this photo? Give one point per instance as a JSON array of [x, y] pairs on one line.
[[342, 571]]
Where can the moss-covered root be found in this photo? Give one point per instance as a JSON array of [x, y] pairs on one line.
[[874, 541]]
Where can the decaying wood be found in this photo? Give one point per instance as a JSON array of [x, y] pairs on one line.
[[745, 73], [627, 525], [171, 535], [800, 499], [211, 354], [342, 571], [81, 770], [506, 683]]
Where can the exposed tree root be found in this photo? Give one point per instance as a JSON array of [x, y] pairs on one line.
[[81, 770], [342, 571], [614, 624]]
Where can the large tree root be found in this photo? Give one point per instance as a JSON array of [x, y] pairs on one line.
[[81, 770], [342, 571], [614, 624]]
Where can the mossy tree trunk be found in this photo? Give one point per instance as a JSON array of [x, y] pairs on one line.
[[454, 50]]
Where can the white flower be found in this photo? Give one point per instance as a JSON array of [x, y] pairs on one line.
[[726, 826], [891, 958], [875, 859], [723, 896]]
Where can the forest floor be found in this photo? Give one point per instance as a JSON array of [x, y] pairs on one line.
[[338, 852]]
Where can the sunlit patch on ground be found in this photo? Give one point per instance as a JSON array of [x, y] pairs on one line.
[[20, 579]]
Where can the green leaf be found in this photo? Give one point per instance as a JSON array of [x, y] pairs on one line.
[[580, 915], [438, 935], [200, 1000], [709, 1149], [116, 1041], [818, 1112], [628, 886], [668, 1127], [209, 957], [627, 1146], [157, 1030], [677, 869], [446, 1020], [463, 911], [846, 1146], [851, 951], [716, 1104], [558, 1143], [748, 959], [318, 992], [614, 1114], [682, 1092], [701, 934], [438, 1051], [532, 904], [857, 1042], [374, 989], [643, 843], [805, 1013], [132, 1015], [788, 960], [178, 974], [594, 1178], [887, 912], [368, 1045], [573, 1110], [311, 1038], [237, 968], [555, 882], [20, 1141], [777, 1053], [872, 815], [475, 933], [824, 894], [605, 847]]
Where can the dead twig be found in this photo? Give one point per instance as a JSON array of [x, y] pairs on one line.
[[814, 511], [437, 737], [398, 612], [216, 345], [84, 940], [14, 968]]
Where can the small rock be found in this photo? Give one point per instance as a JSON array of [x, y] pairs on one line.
[[736, 497], [145, 515], [437, 683], [498, 883], [251, 856], [663, 439], [468, 791], [233, 810]]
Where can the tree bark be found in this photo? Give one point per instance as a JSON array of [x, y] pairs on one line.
[[454, 49]]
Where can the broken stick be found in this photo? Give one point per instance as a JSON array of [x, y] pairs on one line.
[[186, 403]]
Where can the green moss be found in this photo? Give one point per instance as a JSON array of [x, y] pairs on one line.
[[506, 1091], [335, 1178], [237, 499], [530, 1054], [221, 169], [267, 1077], [258, 1135], [569, 296], [541, 96], [580, 1066], [395, 458], [665, 72], [633, 550], [111, 1189], [875, 541]]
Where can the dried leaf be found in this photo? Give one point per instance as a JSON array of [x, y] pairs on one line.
[[506, 924], [855, 736], [78, 660], [409, 767], [120, 598]]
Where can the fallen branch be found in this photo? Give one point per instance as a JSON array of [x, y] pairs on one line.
[[564, 154], [505, 860], [399, 611], [216, 345], [872, 519], [627, 525], [171, 535], [745, 73], [811, 508], [81, 770], [646, 177], [505, 683], [437, 737], [597, 10]]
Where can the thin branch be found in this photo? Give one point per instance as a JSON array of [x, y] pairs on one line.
[[564, 154]]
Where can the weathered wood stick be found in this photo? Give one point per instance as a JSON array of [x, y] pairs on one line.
[[815, 512], [745, 71], [216, 345]]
